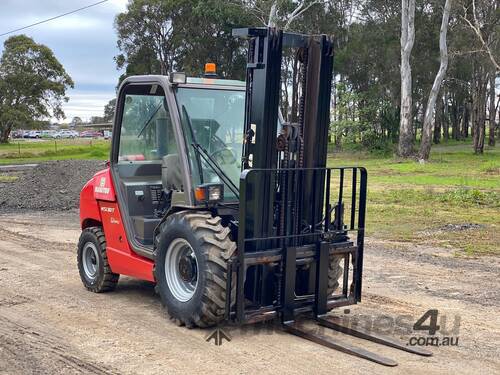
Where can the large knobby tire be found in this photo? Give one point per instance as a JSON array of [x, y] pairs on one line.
[[335, 272], [92, 260], [209, 246]]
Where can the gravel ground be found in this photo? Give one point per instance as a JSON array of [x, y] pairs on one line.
[[50, 324], [52, 185]]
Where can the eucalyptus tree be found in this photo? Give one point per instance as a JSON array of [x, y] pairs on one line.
[[33, 85]]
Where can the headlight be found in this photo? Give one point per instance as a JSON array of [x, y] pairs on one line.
[[177, 77], [209, 193], [215, 193]]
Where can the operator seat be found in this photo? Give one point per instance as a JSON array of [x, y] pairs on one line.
[[171, 177]]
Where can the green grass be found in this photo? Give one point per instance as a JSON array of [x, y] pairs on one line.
[[409, 201], [23, 151], [6, 178]]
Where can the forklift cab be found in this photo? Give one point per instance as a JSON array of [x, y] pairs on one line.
[[172, 136]]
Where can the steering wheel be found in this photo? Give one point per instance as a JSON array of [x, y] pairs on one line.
[[223, 156]]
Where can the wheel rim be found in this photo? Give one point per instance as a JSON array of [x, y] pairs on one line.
[[90, 260], [181, 270]]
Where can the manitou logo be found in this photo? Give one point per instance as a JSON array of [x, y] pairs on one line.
[[101, 188]]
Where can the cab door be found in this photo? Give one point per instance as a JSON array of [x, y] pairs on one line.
[[143, 137]]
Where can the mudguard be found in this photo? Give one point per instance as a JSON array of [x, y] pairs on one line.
[[98, 206]]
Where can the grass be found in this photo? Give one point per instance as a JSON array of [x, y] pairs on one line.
[[412, 202], [24, 151], [8, 178], [407, 201]]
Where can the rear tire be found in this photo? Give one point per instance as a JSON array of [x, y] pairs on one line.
[[194, 300], [92, 260]]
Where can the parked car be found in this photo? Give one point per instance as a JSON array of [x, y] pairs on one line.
[[17, 134], [90, 134], [64, 134], [34, 134], [48, 133], [107, 134]]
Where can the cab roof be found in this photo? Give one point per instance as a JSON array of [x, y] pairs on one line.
[[215, 81]]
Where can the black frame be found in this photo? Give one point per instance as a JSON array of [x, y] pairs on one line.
[[293, 248], [301, 190]]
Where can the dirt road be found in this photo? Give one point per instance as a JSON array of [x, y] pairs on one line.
[[50, 324]]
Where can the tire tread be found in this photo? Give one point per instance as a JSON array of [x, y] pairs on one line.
[[217, 247], [109, 279]]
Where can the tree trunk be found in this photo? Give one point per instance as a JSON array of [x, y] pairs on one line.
[[340, 115], [473, 104], [455, 121], [446, 117], [460, 122], [416, 120], [405, 146], [493, 112], [439, 120], [465, 123], [5, 130], [479, 113], [425, 145], [4, 135], [498, 124], [271, 22], [295, 89]]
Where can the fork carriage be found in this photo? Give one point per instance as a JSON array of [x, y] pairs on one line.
[[285, 245]]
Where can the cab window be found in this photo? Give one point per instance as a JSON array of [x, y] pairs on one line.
[[146, 130]]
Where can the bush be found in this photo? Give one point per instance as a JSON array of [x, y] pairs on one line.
[[466, 196], [490, 168]]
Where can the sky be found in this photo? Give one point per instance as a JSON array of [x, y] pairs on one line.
[[84, 42]]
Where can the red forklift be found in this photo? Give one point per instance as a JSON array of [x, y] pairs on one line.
[[230, 210]]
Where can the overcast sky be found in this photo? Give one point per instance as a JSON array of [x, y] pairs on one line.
[[84, 42]]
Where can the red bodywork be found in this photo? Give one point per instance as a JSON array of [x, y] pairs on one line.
[[99, 207]]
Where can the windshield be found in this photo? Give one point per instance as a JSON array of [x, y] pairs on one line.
[[216, 117]]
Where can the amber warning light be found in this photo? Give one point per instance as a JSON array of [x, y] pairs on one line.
[[210, 70]]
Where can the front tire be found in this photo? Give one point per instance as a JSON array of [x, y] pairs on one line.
[[335, 271], [92, 260], [192, 252]]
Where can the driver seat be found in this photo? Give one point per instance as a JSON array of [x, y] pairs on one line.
[[171, 176]]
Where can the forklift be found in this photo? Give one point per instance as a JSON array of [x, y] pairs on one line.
[[231, 211]]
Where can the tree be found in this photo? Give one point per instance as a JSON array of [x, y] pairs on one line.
[[379, 99], [76, 121], [483, 22], [147, 25], [109, 110], [158, 36], [33, 84], [405, 147], [427, 129], [96, 120], [284, 13], [493, 112], [480, 24]]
